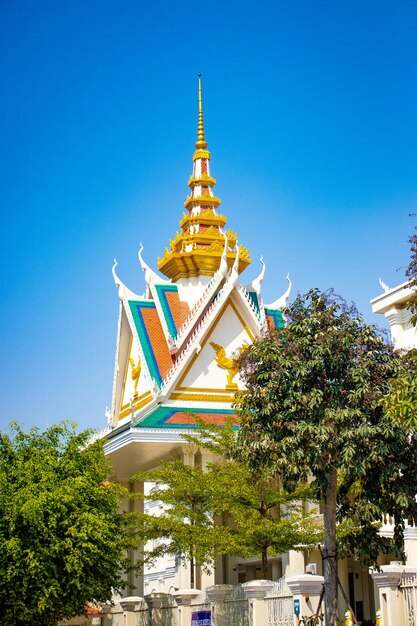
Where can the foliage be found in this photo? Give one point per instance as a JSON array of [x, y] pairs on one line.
[[61, 534], [314, 407], [401, 403], [184, 526], [411, 274], [225, 507]]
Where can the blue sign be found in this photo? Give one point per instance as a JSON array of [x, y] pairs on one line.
[[296, 607], [201, 618]]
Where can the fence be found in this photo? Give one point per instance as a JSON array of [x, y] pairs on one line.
[[257, 603], [280, 605], [409, 590]]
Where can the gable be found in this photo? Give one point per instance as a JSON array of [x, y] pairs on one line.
[[210, 371]]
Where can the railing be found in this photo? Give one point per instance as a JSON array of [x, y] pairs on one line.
[[280, 605], [409, 589], [249, 300], [237, 608], [200, 603]]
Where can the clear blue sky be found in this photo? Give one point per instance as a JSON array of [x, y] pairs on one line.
[[310, 114]]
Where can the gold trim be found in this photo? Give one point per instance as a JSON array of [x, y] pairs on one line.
[[138, 404], [200, 397], [203, 180], [138, 399], [206, 339], [201, 154], [129, 352], [202, 389], [197, 262], [205, 218], [192, 201]]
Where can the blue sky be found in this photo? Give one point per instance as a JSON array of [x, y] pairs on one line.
[[310, 115]]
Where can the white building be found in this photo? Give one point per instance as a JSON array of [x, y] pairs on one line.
[[393, 304]]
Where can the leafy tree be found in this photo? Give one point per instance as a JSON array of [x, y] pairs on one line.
[[401, 403], [61, 534], [411, 273], [314, 407], [225, 508]]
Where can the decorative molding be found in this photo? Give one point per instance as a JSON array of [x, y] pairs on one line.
[[201, 397], [137, 404], [201, 154]]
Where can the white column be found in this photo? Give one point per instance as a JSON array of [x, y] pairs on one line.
[[183, 598], [130, 605], [217, 594], [256, 591], [391, 599], [307, 588]]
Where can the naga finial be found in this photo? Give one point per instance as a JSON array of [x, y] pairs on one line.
[[255, 285], [151, 277]]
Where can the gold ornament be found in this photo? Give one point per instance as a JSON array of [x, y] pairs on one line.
[[135, 373]]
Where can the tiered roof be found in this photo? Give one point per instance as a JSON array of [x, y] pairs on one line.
[[177, 342], [197, 249]]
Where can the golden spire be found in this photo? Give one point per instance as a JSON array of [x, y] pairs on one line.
[[197, 250], [201, 142]]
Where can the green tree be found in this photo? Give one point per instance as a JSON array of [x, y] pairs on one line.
[[61, 534], [224, 508], [411, 273], [401, 403], [314, 406]]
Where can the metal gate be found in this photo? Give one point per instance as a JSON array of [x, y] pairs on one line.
[[280, 605]]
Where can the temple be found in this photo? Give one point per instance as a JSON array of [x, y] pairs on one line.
[[177, 342], [176, 359]]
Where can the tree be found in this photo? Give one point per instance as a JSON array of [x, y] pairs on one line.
[[401, 403], [411, 273], [224, 508], [61, 533], [314, 407]]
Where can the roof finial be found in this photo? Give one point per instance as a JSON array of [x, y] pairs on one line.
[[201, 142]]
